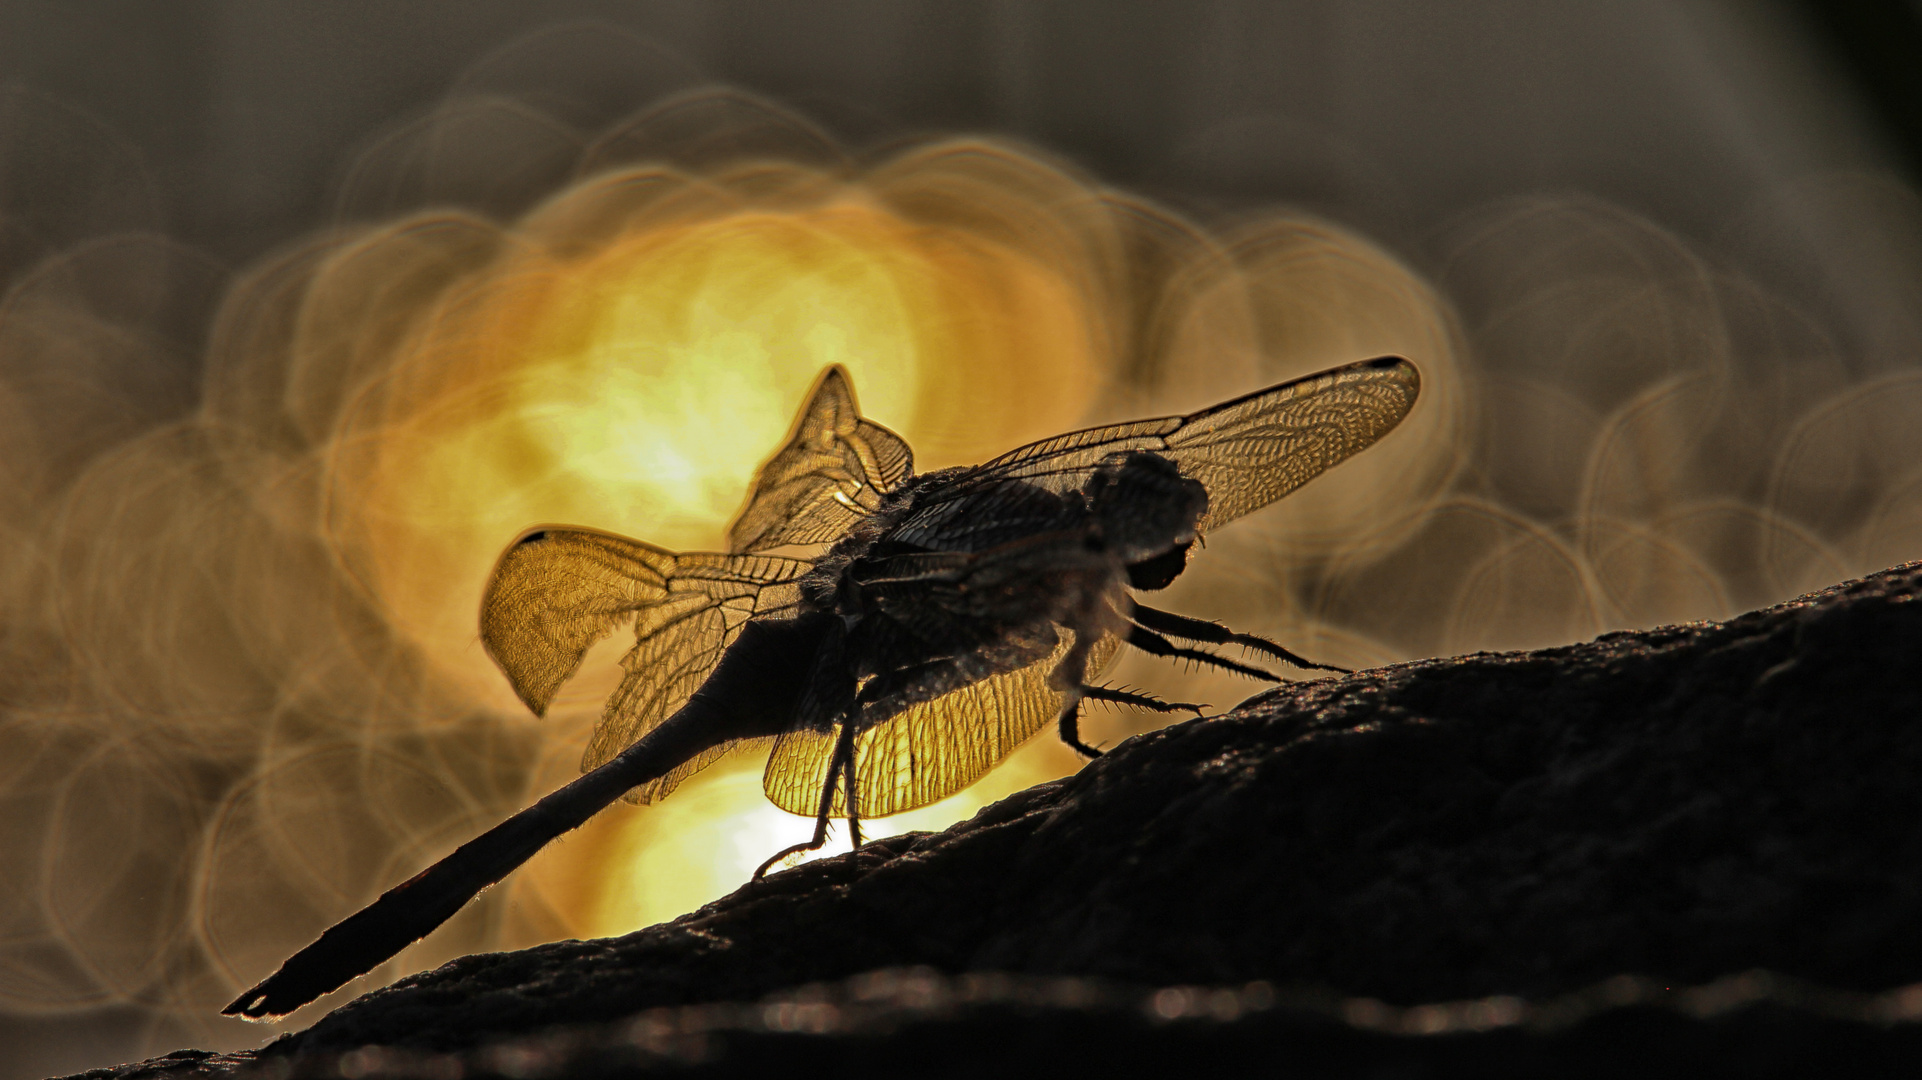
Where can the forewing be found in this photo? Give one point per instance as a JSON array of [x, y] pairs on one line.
[[1247, 452], [1255, 449], [832, 472], [678, 641], [926, 752]]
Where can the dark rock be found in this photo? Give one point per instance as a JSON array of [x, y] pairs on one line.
[[1677, 805]]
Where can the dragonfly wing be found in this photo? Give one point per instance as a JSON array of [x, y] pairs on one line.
[[558, 591], [1247, 452], [924, 753], [832, 471], [919, 756], [677, 644], [555, 593], [1255, 449], [965, 644]]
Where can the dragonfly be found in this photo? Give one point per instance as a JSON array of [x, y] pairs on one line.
[[888, 636]]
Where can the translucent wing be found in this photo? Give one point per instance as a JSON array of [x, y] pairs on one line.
[[832, 472], [556, 592], [1247, 452], [1253, 450], [961, 646], [929, 750]]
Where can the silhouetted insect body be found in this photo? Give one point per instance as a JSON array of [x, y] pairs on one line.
[[889, 636]]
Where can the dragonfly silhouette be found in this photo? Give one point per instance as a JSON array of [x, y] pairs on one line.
[[940, 621]]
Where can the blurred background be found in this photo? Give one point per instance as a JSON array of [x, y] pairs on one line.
[[310, 310]]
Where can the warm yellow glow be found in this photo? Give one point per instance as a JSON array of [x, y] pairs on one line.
[[245, 689], [647, 865], [634, 386], [284, 588], [632, 377], [637, 388]]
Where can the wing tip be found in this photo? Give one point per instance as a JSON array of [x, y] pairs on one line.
[[1401, 367], [1391, 362], [832, 384]]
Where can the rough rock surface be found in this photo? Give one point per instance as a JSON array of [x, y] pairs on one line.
[[1679, 805]]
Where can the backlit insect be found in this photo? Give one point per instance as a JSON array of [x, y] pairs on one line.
[[889, 636]]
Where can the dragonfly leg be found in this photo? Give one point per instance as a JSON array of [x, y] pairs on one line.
[[1070, 720], [1069, 678], [1150, 642], [1070, 726], [1213, 633], [1137, 699], [840, 766], [847, 774]]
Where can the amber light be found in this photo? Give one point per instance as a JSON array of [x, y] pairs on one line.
[[635, 387], [264, 611]]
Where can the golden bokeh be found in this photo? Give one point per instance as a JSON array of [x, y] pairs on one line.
[[634, 386], [627, 356], [243, 614]]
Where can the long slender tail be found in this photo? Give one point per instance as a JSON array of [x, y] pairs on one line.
[[752, 691], [409, 911]]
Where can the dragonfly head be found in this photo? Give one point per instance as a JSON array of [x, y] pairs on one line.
[[1146, 512]]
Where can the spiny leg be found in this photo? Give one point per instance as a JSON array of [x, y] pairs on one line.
[[839, 766], [1150, 642], [1214, 633], [1070, 720], [820, 827], [854, 813], [1138, 700], [1069, 724]]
